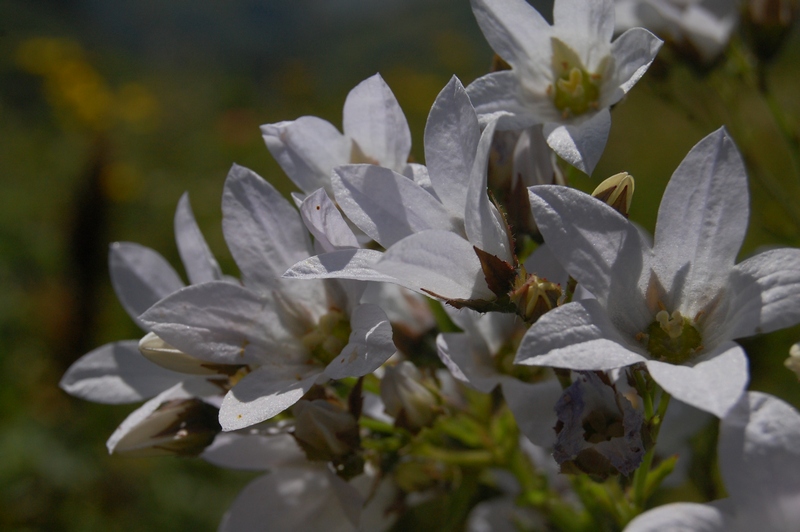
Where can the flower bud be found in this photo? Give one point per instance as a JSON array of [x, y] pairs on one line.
[[793, 362], [767, 24], [160, 352], [177, 426], [617, 191], [406, 398], [325, 431]]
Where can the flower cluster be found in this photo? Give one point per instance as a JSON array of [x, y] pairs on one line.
[[404, 332]]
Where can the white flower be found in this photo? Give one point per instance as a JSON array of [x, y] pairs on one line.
[[793, 362], [285, 335], [375, 131], [565, 76], [296, 494], [677, 305], [703, 27], [117, 372], [429, 232], [760, 465]]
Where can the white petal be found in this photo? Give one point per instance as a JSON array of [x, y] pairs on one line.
[[369, 346], [296, 499], [451, 141], [343, 264], [533, 406], [633, 52], [680, 517], [117, 373], [580, 145], [326, 223], [483, 224], [140, 277], [599, 248], [373, 118], [264, 393], [469, 363], [264, 232], [386, 205], [307, 149], [767, 292], [591, 20], [577, 336], [198, 260], [515, 30], [760, 461], [702, 220], [224, 323], [498, 96], [254, 451], [437, 262], [713, 385]]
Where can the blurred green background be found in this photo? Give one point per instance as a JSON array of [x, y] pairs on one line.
[[110, 110]]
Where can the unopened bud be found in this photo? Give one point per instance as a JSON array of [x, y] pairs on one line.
[[793, 362], [324, 431], [617, 191], [178, 426], [406, 398], [160, 352], [534, 295], [767, 24]]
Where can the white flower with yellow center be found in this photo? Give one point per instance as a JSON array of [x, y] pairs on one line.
[[676, 305], [565, 76]]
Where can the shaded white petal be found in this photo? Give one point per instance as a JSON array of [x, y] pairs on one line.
[[599, 248], [482, 222], [326, 223], [514, 30], [373, 118], [498, 96], [264, 232], [766, 293], [451, 141], [307, 149], [369, 346], [254, 452], [680, 517], [714, 385], [296, 499], [117, 373], [386, 205], [581, 145], [533, 406], [702, 220], [760, 461], [224, 323], [140, 277], [468, 362], [591, 20], [436, 261], [264, 393], [633, 52], [198, 260], [577, 336], [356, 264]]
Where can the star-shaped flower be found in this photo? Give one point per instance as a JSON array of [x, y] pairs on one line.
[[565, 76], [675, 305]]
